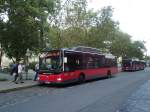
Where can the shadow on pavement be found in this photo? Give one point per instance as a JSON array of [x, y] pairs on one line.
[[73, 84]]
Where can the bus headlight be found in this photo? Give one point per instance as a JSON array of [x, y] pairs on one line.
[[59, 79]]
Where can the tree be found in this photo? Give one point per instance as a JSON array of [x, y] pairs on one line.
[[25, 26], [68, 24], [56, 25], [123, 46], [102, 33], [76, 22], [147, 58], [120, 44], [138, 49]]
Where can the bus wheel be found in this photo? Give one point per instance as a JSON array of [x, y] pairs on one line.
[[109, 74], [81, 78]]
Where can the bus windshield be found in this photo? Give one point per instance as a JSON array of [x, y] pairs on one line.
[[127, 63], [51, 64]]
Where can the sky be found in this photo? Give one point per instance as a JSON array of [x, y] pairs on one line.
[[133, 16]]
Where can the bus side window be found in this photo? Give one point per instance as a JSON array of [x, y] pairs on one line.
[[77, 61], [78, 64], [90, 63], [97, 62], [66, 68], [108, 63], [101, 61]]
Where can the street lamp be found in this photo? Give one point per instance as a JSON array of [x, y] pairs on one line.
[[28, 54]]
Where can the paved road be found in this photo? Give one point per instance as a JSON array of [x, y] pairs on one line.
[[106, 95], [139, 101]]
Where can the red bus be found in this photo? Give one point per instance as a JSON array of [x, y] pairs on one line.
[[133, 65], [75, 64]]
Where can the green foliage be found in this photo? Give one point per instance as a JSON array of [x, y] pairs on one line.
[[123, 46], [70, 23], [120, 44], [25, 26], [103, 32], [147, 58]]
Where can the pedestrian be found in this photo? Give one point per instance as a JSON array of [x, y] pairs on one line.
[[14, 71], [36, 71], [20, 70]]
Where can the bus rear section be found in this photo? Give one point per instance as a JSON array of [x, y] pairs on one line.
[[132, 65], [66, 66]]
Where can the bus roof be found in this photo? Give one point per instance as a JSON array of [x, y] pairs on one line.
[[84, 49], [131, 59], [109, 56]]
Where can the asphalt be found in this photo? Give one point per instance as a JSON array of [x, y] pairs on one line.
[[139, 101], [106, 95], [7, 84], [135, 86]]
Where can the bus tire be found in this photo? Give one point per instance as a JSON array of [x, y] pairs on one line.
[[109, 75], [81, 78]]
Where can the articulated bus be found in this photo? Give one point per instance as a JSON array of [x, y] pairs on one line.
[[133, 65], [75, 64]]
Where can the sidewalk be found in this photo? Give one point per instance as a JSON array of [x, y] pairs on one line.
[[8, 85]]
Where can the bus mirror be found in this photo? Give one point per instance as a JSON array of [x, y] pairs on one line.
[[65, 59]]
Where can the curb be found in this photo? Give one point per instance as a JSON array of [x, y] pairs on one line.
[[17, 88]]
